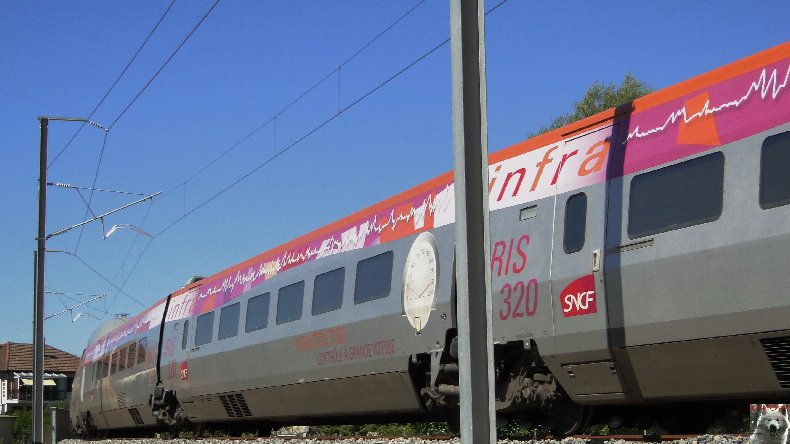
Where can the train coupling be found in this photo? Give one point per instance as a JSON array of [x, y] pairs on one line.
[[165, 406]]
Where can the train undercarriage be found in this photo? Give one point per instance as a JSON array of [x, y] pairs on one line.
[[525, 390]]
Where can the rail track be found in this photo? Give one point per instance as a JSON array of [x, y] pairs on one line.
[[574, 439]]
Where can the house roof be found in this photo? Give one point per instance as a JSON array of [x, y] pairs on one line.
[[15, 356]]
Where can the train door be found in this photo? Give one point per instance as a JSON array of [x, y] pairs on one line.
[[175, 356], [582, 356]]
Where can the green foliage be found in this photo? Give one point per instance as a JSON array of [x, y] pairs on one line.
[[598, 430], [600, 97], [23, 427]]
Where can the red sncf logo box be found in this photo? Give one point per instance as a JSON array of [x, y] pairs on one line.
[[579, 297]]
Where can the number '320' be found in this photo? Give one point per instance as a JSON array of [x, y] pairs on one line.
[[520, 299]]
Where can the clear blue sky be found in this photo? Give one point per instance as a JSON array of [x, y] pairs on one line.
[[246, 62]]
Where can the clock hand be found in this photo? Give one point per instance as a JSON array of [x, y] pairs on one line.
[[425, 289]]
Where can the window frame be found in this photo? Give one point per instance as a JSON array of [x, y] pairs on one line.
[[267, 296], [185, 335], [316, 286], [367, 263], [566, 225], [130, 360], [632, 233], [142, 350], [209, 315], [281, 308], [761, 198], [228, 310]]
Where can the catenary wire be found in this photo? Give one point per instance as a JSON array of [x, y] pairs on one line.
[[266, 162], [316, 128], [128, 106], [256, 130], [161, 68], [298, 99], [97, 273], [136, 97], [90, 196], [299, 140], [117, 79]]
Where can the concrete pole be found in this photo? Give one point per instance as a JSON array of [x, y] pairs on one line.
[[473, 276], [38, 305]]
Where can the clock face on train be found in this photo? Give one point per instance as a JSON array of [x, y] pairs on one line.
[[420, 279]]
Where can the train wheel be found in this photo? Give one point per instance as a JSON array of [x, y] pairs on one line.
[[569, 417]]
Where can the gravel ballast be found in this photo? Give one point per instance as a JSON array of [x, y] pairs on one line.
[[704, 439]]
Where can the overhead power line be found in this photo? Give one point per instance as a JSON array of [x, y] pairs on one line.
[[299, 98], [117, 79], [256, 130], [300, 139], [159, 71], [97, 273]]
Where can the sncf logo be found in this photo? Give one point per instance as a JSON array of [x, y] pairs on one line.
[[579, 297]]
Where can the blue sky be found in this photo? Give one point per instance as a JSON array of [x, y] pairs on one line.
[[242, 66]]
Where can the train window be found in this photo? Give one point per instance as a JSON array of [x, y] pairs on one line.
[[106, 366], [575, 223], [113, 363], [677, 196], [528, 212], [132, 354], [374, 278], [257, 313], [774, 165], [229, 321], [328, 291], [141, 345], [185, 335], [204, 329], [122, 359], [289, 302]]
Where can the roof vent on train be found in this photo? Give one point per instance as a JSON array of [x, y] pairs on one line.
[[778, 351], [193, 279]]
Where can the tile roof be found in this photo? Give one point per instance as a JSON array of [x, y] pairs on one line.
[[16, 356]]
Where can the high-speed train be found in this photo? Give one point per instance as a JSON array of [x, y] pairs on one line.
[[638, 256]]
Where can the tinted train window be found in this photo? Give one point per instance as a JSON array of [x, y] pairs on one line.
[[229, 321], [106, 366], [676, 196], [141, 346], [289, 302], [205, 328], [575, 223], [257, 313], [374, 278], [113, 363], [774, 168], [185, 335], [132, 354], [328, 291], [122, 359]]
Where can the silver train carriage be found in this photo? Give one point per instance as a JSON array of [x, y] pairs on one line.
[[637, 256]]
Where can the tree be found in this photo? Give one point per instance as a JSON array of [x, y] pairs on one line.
[[600, 97]]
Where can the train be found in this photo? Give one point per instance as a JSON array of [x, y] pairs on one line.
[[638, 257]]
